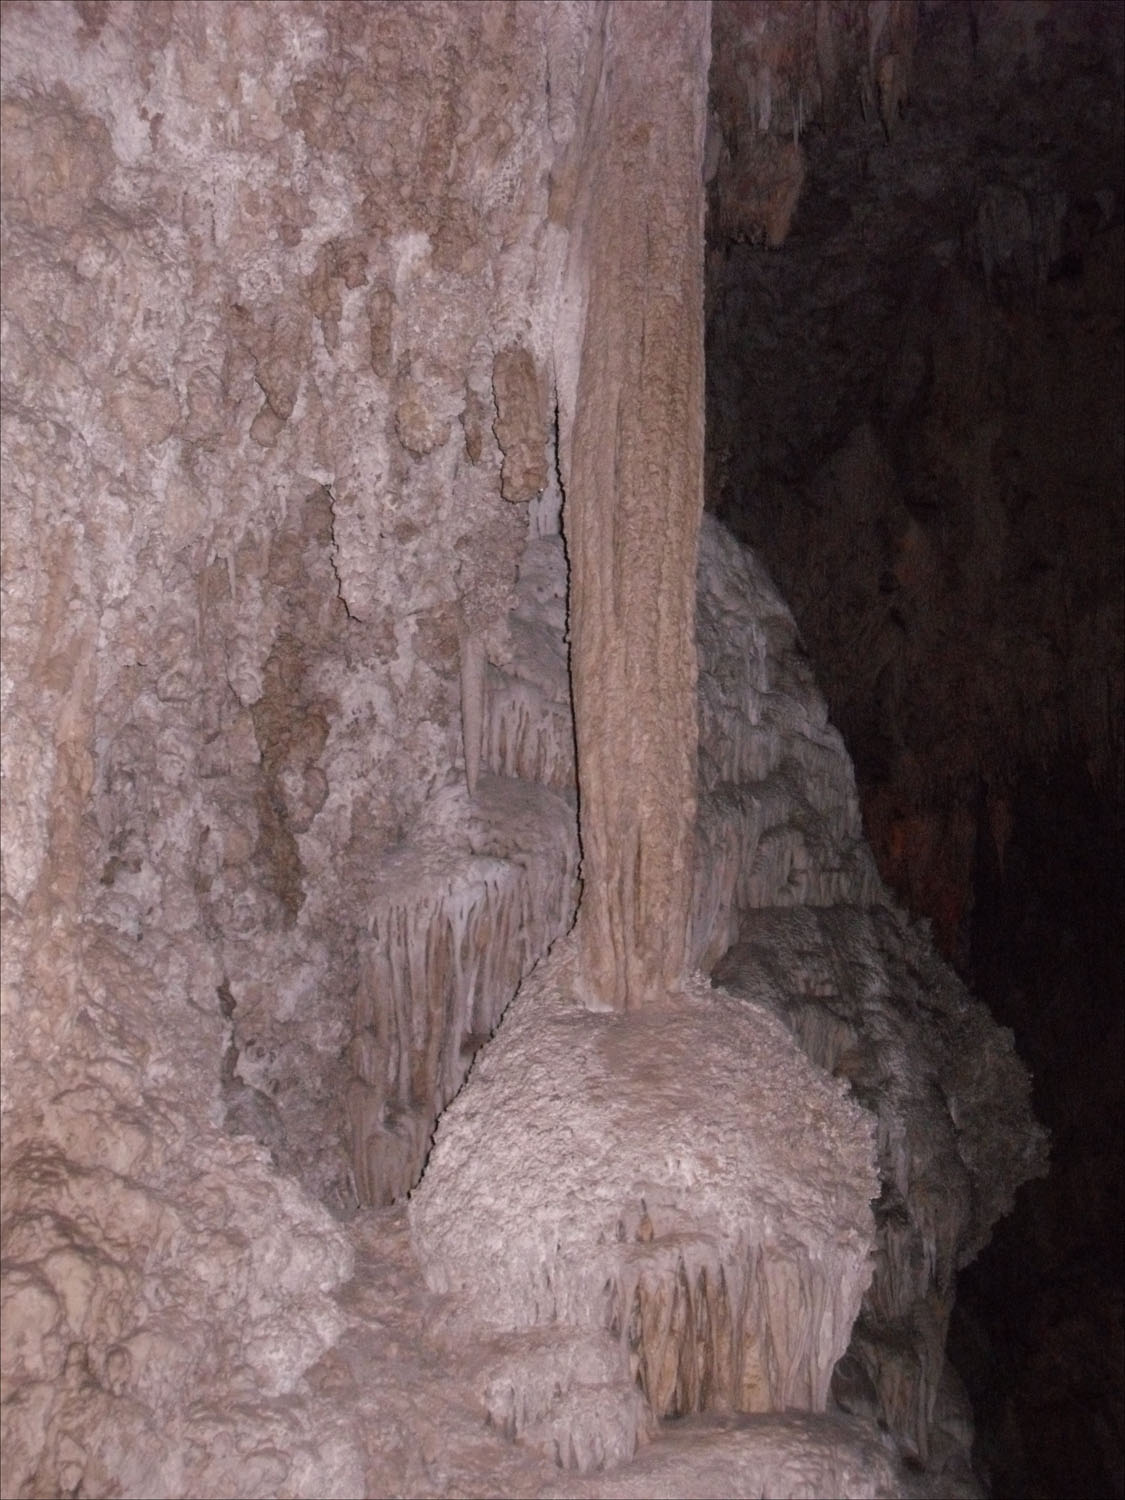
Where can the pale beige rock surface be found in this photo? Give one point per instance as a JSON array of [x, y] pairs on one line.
[[258, 260], [652, 1175]]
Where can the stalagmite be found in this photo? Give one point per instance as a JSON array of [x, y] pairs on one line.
[[634, 496], [636, 1175]]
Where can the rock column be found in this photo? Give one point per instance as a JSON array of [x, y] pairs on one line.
[[634, 492]]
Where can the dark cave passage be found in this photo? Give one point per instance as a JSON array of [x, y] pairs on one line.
[[1038, 1331], [915, 418]]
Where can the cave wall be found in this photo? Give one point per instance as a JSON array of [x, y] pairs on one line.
[[268, 328], [282, 301], [304, 307], [915, 416]]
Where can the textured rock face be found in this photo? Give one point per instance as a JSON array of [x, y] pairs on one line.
[[247, 537], [779, 821], [870, 1002], [634, 496], [263, 268]]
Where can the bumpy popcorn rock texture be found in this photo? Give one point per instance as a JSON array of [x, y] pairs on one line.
[[652, 1175]]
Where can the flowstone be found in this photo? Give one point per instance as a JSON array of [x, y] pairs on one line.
[[869, 1001], [678, 1193], [801, 1457]]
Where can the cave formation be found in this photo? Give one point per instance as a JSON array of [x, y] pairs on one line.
[[505, 848]]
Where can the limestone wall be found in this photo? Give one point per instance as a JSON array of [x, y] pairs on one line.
[[281, 297]]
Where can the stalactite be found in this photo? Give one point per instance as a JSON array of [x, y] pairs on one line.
[[473, 665], [527, 733], [451, 939]]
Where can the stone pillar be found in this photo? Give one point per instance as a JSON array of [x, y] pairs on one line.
[[634, 492]]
